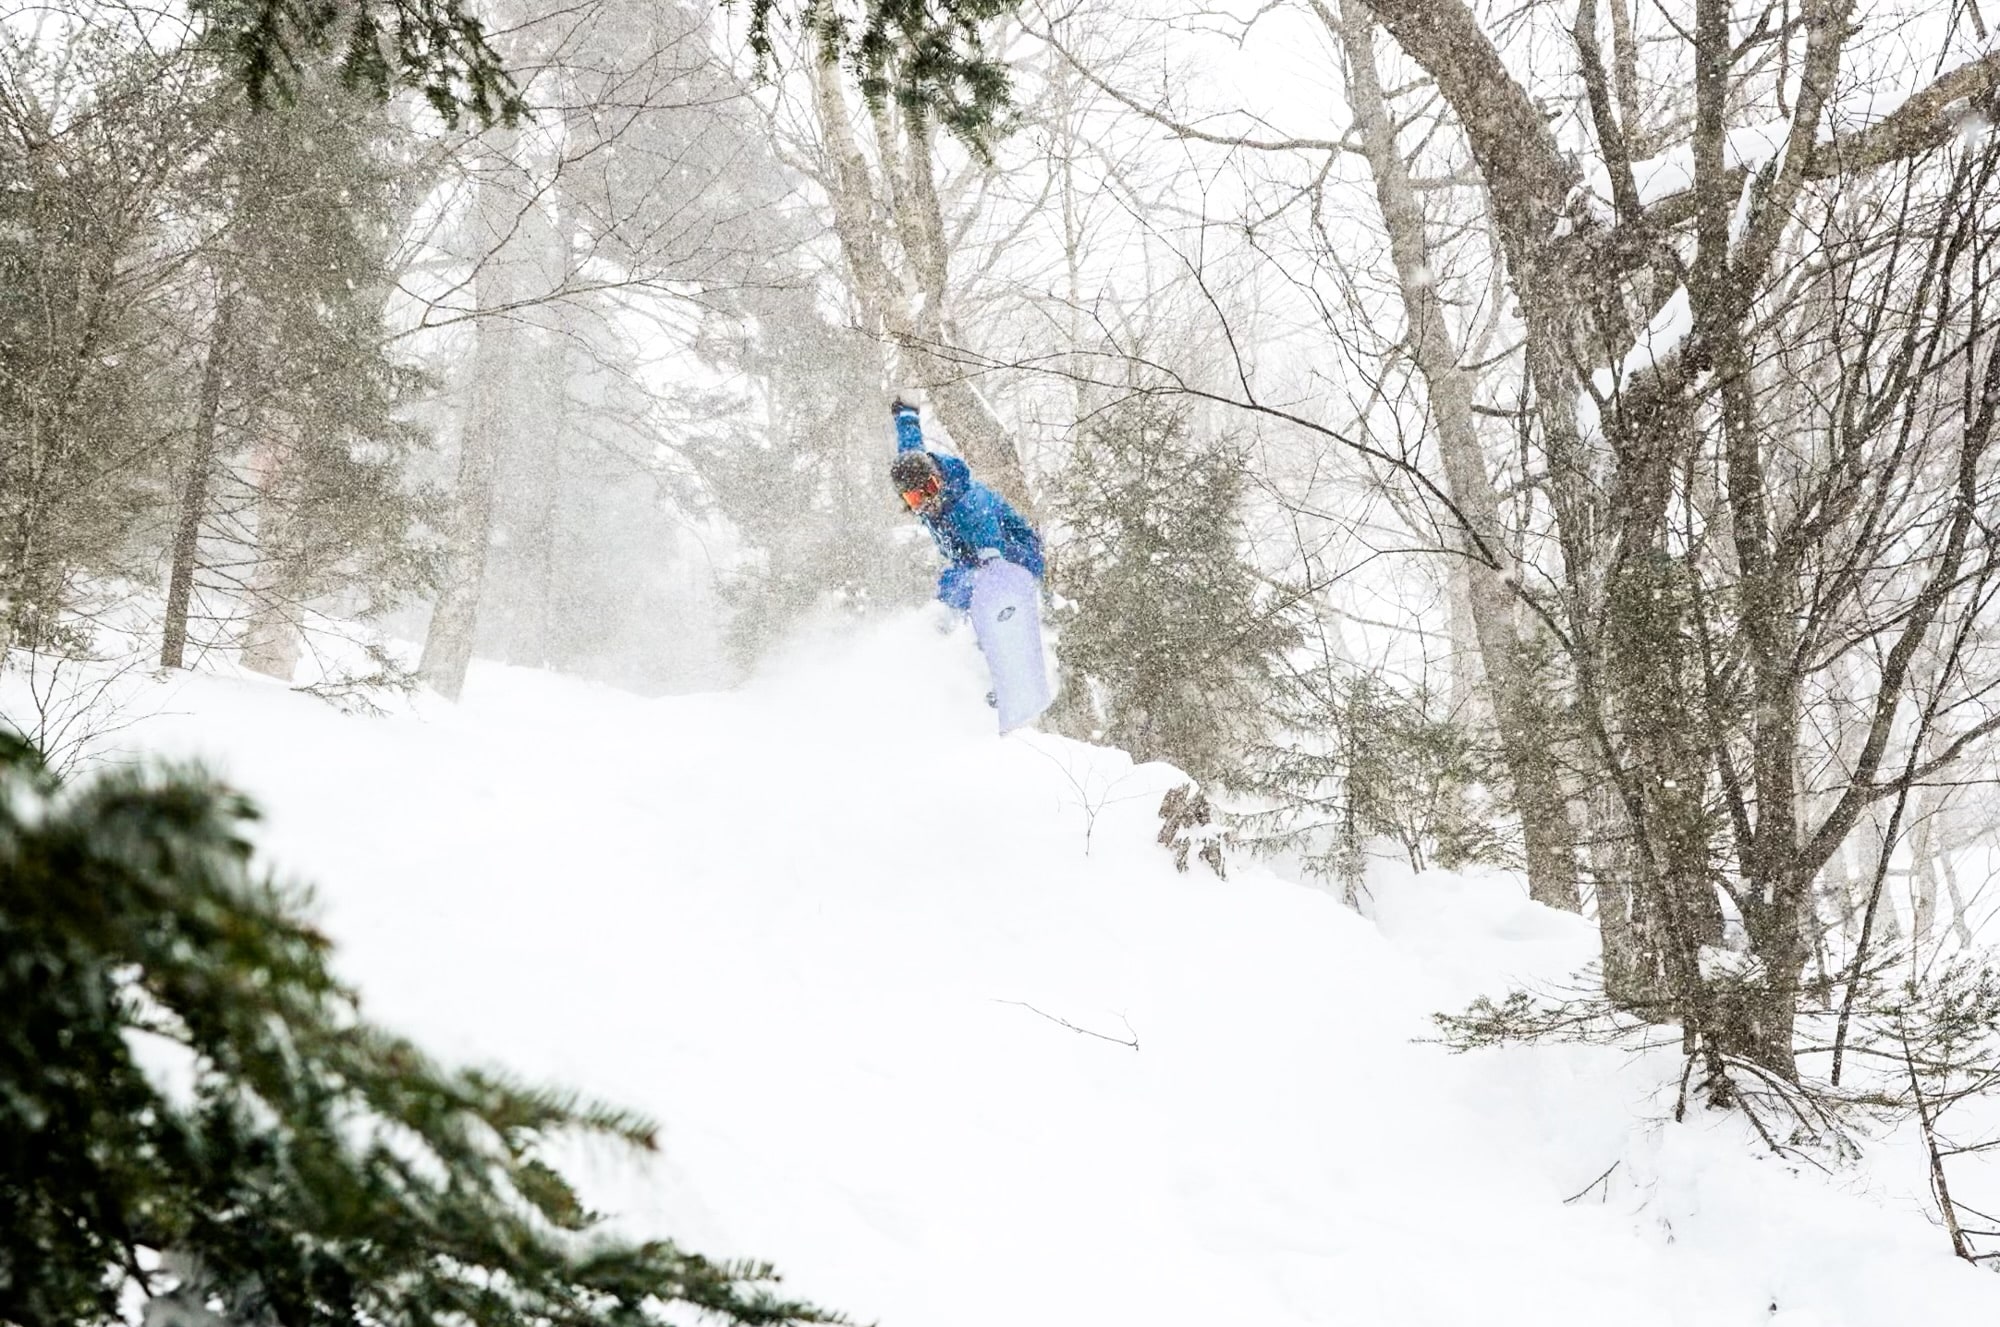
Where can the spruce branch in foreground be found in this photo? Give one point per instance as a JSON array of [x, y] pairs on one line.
[[193, 1111], [930, 56]]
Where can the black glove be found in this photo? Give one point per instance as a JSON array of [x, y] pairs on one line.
[[898, 406]]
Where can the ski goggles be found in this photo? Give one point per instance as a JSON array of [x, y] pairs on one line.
[[915, 498]]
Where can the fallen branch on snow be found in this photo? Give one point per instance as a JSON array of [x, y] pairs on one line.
[[1116, 1041]]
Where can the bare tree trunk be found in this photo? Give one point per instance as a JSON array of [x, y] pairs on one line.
[[1924, 810], [194, 494], [548, 516], [1841, 890], [1470, 697], [1080, 385], [1960, 927], [1628, 944], [32, 575], [1625, 77], [910, 310], [270, 641], [544, 466], [1523, 722], [455, 618]]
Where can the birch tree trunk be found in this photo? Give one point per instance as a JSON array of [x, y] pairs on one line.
[[1522, 721], [495, 358]]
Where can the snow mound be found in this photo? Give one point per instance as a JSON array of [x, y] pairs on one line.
[[932, 1023]]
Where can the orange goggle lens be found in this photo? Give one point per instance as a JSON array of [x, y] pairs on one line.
[[922, 493]]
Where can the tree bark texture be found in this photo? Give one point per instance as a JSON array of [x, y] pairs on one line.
[[1524, 722], [185, 552]]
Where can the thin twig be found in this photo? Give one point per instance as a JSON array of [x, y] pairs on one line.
[[1116, 1041], [1594, 1183]]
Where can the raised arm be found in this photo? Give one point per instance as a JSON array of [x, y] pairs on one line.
[[909, 431]]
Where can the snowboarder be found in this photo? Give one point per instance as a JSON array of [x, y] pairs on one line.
[[993, 566], [968, 521]]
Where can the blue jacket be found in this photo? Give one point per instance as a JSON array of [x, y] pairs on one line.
[[970, 517]]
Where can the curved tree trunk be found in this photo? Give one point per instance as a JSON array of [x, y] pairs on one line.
[[909, 308], [1523, 721]]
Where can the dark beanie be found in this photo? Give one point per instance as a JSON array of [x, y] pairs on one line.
[[910, 469]]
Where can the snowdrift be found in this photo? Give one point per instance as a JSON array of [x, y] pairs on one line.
[[932, 1023]]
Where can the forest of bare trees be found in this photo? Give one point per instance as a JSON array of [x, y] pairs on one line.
[[1554, 437]]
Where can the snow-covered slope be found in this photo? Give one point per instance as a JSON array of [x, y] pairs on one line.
[[823, 929]]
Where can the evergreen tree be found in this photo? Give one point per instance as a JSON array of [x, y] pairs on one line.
[[292, 487], [93, 136], [1164, 619], [1353, 757], [441, 48], [192, 1111]]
